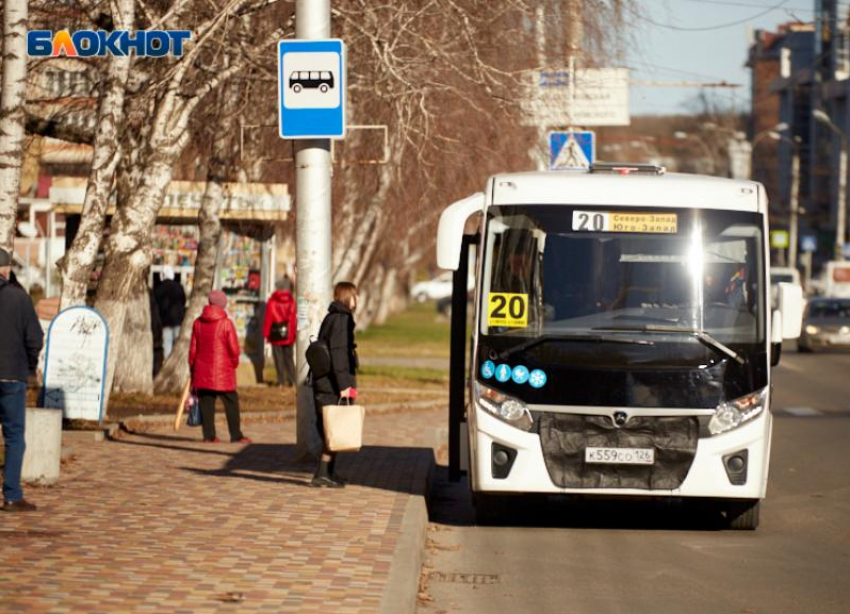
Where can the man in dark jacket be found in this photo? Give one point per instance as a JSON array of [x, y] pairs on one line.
[[171, 299], [156, 332], [20, 343]]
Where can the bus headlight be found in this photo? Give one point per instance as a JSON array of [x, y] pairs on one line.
[[507, 409], [732, 414], [812, 330]]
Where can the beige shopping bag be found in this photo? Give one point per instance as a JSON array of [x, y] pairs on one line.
[[343, 427]]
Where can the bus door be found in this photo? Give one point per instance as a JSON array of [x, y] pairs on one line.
[[460, 336]]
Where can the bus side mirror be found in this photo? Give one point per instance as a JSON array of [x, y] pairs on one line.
[[791, 308], [450, 231]]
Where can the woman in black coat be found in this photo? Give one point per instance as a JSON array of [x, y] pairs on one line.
[[337, 331]]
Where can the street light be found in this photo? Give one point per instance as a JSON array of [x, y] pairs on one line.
[[793, 222], [794, 204], [841, 214]]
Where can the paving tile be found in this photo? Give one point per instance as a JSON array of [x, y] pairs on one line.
[[160, 522]]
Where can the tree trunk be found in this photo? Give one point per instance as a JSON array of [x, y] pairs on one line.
[[79, 261], [175, 371], [135, 347], [12, 98], [124, 280], [370, 296], [387, 298], [368, 228]]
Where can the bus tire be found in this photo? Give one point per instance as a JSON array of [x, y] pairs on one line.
[[743, 515], [296, 88]]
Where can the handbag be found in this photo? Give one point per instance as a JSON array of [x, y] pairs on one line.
[[343, 426], [279, 332], [193, 410]]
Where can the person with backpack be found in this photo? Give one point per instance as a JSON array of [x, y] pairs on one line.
[[279, 330], [213, 359], [340, 381]]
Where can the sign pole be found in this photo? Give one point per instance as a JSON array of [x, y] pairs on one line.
[[312, 236]]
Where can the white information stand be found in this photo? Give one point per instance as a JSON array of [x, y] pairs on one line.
[[75, 365]]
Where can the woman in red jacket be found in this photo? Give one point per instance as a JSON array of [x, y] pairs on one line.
[[279, 330], [213, 359]]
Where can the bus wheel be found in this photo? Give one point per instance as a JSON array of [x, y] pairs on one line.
[[743, 515], [296, 88], [489, 509], [323, 88]]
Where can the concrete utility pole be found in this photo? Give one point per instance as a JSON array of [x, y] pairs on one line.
[[575, 30], [312, 236], [793, 222], [794, 204], [841, 214]]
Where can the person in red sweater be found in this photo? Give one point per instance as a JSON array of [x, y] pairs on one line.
[[213, 359], [279, 330]]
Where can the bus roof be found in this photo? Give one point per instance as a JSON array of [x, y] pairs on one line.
[[637, 189]]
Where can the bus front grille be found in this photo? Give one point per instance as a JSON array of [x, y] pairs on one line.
[[565, 437]]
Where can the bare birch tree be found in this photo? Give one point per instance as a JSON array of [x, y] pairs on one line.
[[219, 135], [12, 97], [79, 261], [171, 100]]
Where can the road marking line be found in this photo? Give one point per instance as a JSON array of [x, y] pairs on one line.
[[802, 411]]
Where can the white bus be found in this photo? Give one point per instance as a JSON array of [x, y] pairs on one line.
[[623, 337]]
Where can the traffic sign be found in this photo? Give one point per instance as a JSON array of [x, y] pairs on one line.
[[311, 89], [779, 239], [571, 150], [809, 243]]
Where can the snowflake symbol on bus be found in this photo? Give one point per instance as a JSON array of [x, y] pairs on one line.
[[537, 379]]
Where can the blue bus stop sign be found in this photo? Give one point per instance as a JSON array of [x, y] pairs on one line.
[[311, 89]]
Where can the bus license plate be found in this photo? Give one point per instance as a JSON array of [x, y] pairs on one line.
[[620, 456]]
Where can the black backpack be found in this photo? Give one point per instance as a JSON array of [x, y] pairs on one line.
[[319, 355]]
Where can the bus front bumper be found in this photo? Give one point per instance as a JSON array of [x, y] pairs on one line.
[[707, 476]]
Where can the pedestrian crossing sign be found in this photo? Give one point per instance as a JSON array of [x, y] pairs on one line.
[[571, 150]]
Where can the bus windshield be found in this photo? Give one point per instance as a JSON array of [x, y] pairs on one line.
[[684, 287], [702, 271]]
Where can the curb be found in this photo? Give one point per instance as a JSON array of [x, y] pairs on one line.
[[402, 589], [145, 422]]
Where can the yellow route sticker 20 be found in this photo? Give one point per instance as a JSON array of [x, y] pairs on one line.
[[506, 309], [604, 221]]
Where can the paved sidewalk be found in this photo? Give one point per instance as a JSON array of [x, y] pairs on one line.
[[159, 522]]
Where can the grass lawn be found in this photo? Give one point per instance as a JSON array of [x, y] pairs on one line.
[[418, 332]]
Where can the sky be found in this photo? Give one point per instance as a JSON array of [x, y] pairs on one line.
[[699, 40]]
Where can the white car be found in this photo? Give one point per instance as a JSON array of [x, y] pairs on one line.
[[435, 289]]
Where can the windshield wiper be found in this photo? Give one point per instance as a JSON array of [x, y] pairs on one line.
[[702, 336], [569, 337]]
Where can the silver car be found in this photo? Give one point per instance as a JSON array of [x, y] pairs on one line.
[[826, 324]]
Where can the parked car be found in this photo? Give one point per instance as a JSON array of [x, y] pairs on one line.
[[435, 289], [826, 323], [781, 275]]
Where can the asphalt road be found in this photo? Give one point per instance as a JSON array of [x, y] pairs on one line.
[[612, 557]]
